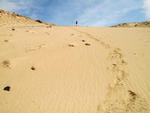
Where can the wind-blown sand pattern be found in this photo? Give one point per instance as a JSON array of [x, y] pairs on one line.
[[54, 69]]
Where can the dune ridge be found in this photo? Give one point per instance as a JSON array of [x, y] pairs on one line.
[[134, 24], [9, 18]]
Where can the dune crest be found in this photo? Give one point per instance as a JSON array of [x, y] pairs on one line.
[[9, 18], [134, 24]]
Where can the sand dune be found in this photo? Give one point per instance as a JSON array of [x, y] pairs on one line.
[[8, 18], [134, 24], [54, 69]]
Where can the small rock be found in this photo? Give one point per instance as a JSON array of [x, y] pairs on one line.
[[83, 40], [7, 88], [13, 29], [32, 68], [87, 44]]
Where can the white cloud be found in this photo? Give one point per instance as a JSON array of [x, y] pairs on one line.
[[8, 5], [147, 8], [16, 5], [107, 13], [23, 6]]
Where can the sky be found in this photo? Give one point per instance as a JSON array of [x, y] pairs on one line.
[[86, 12]]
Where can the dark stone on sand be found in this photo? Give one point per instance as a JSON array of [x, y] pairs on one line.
[[7, 88], [87, 44], [32, 68]]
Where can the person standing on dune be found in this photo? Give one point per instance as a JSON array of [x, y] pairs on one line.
[[76, 22]]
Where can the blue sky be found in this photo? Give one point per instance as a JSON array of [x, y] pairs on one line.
[[87, 12]]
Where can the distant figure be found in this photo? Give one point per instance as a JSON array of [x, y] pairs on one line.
[[76, 23]]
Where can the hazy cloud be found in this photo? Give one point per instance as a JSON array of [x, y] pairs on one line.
[[147, 8], [19, 6], [8, 5], [15, 5], [107, 13]]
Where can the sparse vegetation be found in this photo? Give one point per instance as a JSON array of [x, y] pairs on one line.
[[135, 24], [146, 22], [17, 18], [124, 24], [1, 11], [39, 21]]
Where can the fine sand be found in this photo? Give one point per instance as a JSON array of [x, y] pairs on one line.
[[54, 69]]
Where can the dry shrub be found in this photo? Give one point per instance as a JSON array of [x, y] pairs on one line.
[[39, 21], [2, 11]]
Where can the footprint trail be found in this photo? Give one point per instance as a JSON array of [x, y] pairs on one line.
[[120, 97]]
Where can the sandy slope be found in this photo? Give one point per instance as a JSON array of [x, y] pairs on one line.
[[74, 69], [134, 24], [9, 18]]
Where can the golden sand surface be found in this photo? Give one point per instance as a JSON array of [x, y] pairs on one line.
[[68, 69]]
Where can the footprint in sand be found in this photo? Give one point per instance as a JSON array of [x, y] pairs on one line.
[[5, 40], [131, 103], [132, 95], [35, 48], [119, 98], [136, 104], [6, 64], [107, 46], [13, 29], [72, 34], [47, 33], [117, 57], [70, 45], [41, 46], [49, 26], [10, 35]]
